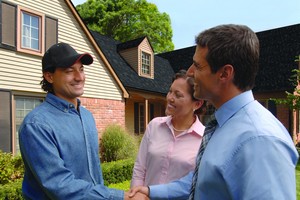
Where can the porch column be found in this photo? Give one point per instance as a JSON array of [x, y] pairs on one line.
[[146, 112]]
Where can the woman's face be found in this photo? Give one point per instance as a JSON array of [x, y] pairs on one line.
[[179, 99]]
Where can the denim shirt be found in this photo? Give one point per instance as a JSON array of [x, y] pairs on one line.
[[59, 147]]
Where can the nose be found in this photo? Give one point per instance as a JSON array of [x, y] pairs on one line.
[[170, 97], [79, 75], [190, 71]]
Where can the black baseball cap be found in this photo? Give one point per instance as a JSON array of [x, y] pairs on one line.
[[62, 55]]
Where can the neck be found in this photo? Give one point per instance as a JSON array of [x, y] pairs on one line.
[[182, 124]]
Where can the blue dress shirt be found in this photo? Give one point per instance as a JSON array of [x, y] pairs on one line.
[[250, 156], [59, 146]]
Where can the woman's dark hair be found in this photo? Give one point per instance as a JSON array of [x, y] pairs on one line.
[[45, 85], [182, 74]]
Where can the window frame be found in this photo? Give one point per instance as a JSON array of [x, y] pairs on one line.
[[15, 133], [146, 62], [41, 18]]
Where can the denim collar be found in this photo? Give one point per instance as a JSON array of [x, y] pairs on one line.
[[60, 103]]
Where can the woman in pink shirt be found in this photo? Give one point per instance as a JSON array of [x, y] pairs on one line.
[[170, 144]]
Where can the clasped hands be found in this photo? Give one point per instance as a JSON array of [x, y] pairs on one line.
[[137, 193]]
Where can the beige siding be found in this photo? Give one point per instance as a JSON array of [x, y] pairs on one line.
[[129, 115], [132, 58], [145, 46], [22, 72]]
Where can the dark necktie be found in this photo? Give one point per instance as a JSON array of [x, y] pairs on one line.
[[209, 130]]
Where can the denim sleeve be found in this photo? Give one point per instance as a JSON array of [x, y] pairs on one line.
[[47, 173], [179, 189]]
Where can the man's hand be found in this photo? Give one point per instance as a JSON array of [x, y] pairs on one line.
[[139, 189], [135, 196]]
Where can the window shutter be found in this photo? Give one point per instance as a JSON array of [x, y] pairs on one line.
[[151, 111], [136, 118], [51, 32], [8, 26], [5, 121]]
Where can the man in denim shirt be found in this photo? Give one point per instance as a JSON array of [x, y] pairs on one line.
[[59, 139]]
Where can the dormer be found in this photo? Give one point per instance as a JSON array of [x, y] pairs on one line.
[[139, 55]]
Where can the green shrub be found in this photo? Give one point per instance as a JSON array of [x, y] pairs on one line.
[[11, 191], [117, 171], [117, 144], [11, 168], [121, 186]]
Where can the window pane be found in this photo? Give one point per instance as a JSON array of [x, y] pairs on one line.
[[30, 31], [35, 44], [35, 33], [146, 63], [26, 19], [34, 22], [23, 107]]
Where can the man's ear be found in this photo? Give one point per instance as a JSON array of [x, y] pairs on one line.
[[226, 72], [48, 76]]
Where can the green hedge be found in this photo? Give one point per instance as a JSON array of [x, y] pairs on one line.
[[11, 191], [117, 171]]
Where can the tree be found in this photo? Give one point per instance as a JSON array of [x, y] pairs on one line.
[[292, 99], [126, 20]]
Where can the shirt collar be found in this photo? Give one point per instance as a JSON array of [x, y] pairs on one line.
[[229, 108], [60, 103], [197, 127]]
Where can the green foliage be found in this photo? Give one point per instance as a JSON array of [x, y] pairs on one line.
[[117, 171], [11, 168], [121, 186], [11, 191], [126, 20], [292, 99], [117, 144]]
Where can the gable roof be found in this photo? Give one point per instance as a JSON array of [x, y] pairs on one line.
[[278, 48], [163, 71], [131, 44], [100, 53]]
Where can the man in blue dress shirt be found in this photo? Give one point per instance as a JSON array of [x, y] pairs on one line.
[[59, 139], [250, 155]]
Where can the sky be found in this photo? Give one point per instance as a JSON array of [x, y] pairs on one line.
[[190, 17]]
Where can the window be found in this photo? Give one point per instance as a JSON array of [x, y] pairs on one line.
[[139, 117], [26, 30], [146, 63], [30, 35], [30, 31], [23, 106]]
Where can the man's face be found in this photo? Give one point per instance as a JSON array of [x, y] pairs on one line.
[[205, 82], [68, 83]]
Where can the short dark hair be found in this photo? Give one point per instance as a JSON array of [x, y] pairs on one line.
[[236, 45], [183, 74]]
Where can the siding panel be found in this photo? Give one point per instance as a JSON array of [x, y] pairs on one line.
[[20, 71]]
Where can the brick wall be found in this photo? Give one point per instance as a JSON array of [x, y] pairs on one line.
[[283, 116], [105, 112]]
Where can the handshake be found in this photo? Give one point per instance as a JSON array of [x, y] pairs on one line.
[[137, 193]]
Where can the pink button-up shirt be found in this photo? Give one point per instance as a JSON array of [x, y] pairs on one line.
[[164, 157]]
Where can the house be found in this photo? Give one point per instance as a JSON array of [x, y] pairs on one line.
[[30, 27], [145, 76], [278, 50], [127, 83]]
